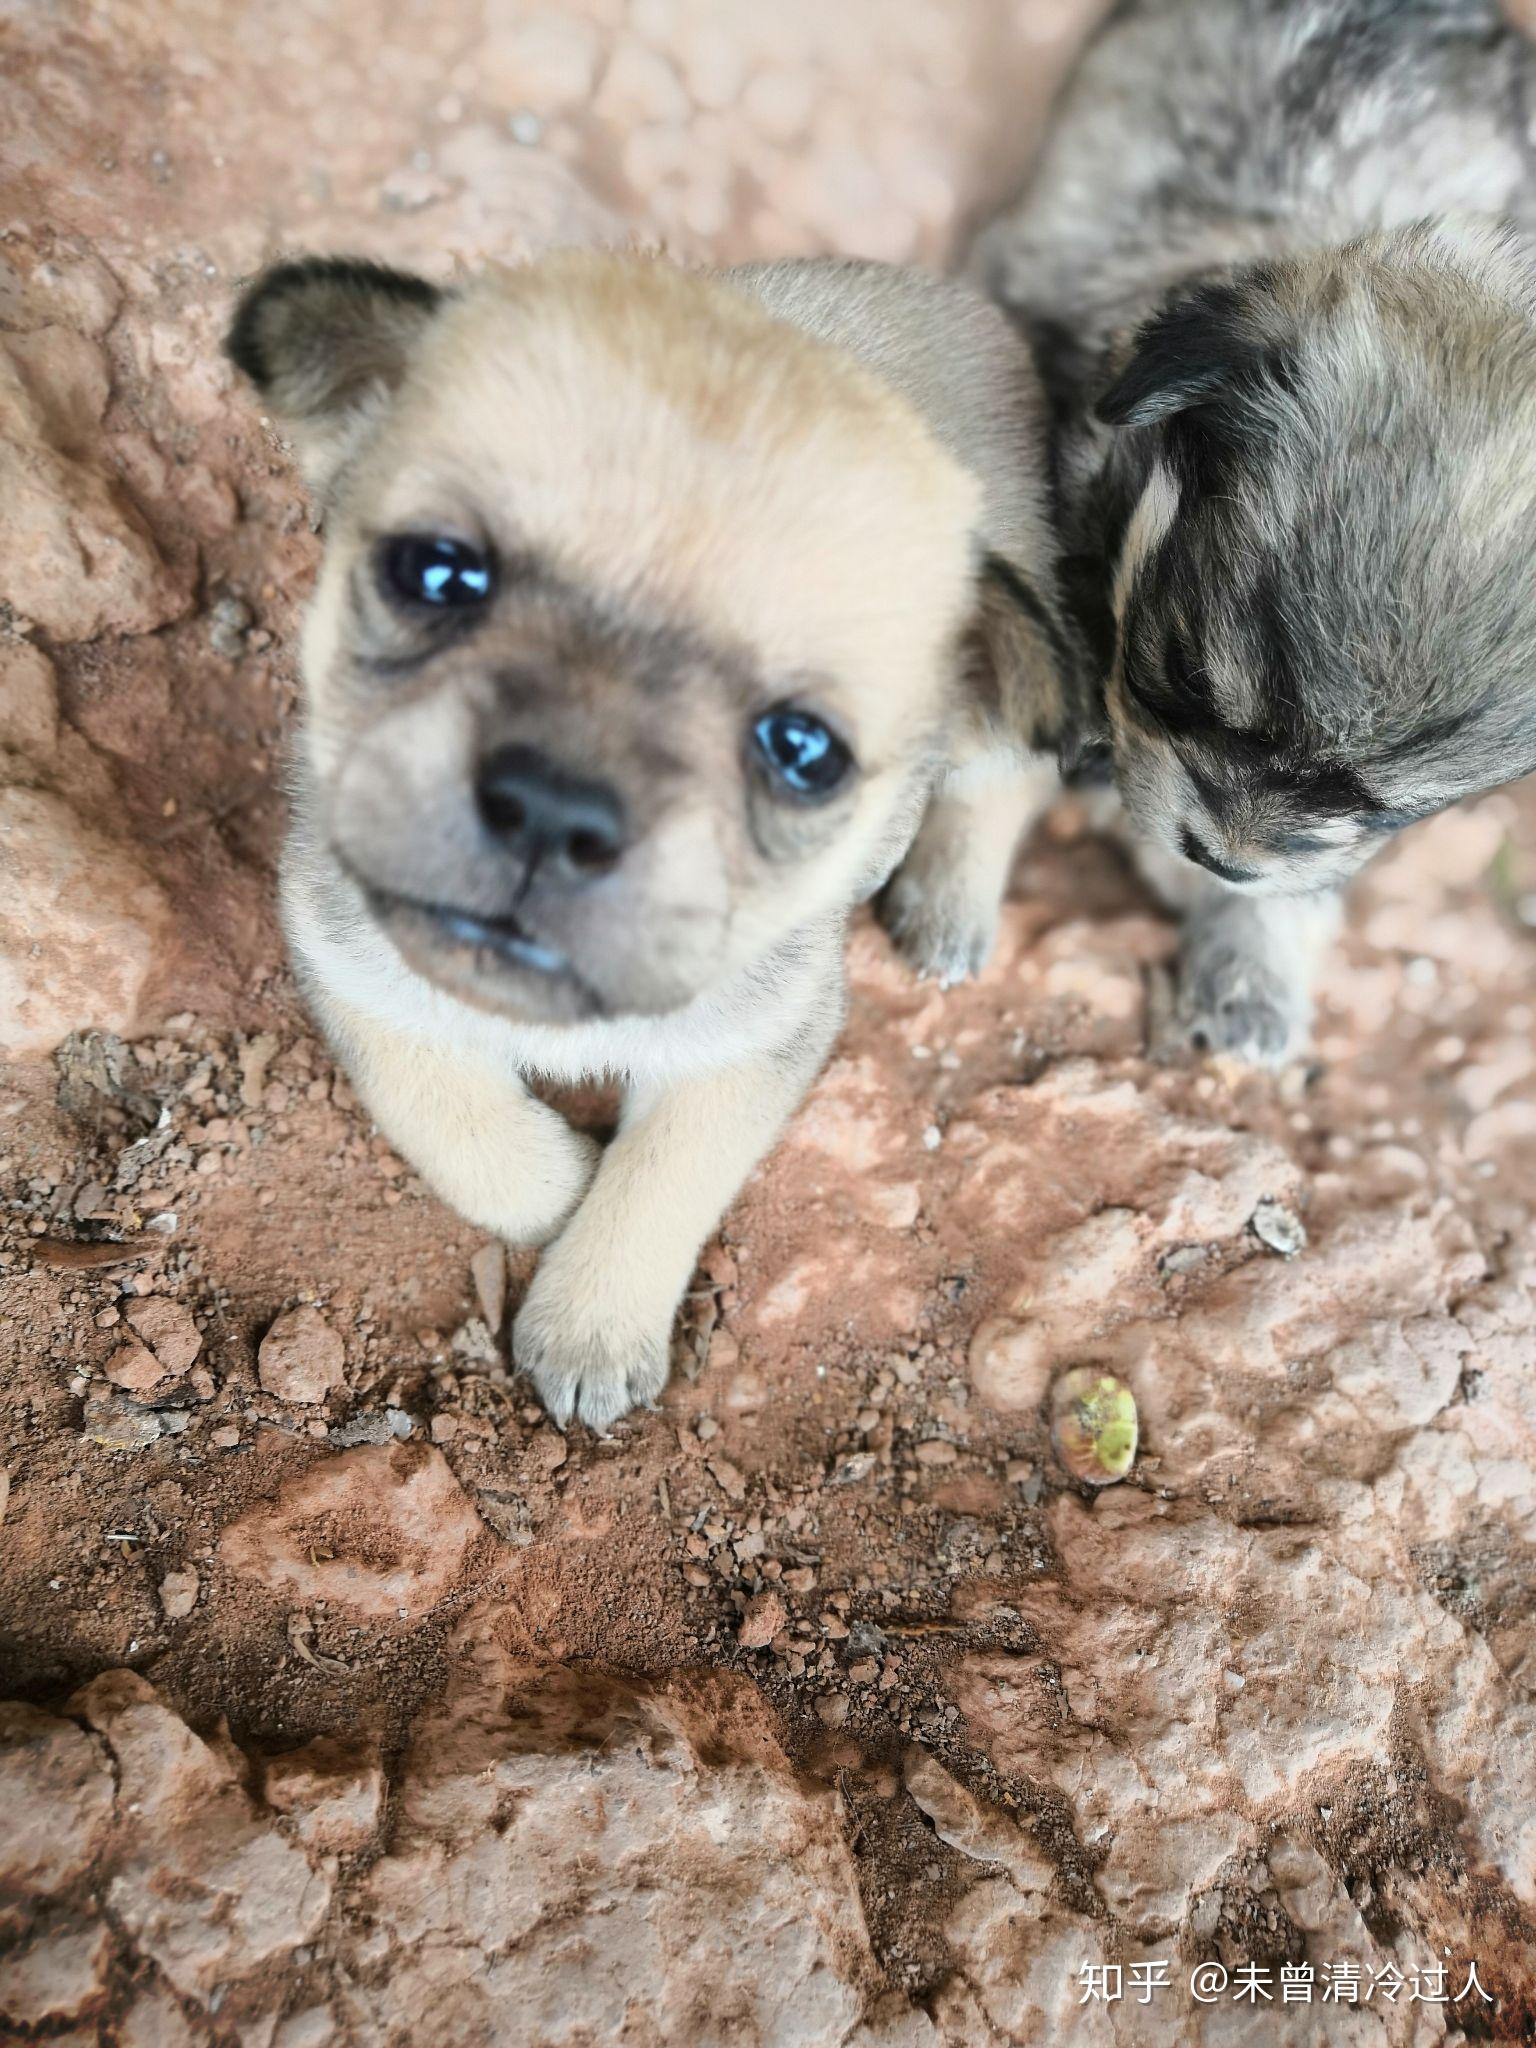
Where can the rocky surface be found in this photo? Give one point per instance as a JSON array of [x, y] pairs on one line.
[[355, 1704], [79, 924]]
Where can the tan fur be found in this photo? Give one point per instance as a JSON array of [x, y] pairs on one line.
[[702, 509]]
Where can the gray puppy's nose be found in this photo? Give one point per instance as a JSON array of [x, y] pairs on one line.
[[561, 823]]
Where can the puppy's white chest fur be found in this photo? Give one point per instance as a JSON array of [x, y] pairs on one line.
[[352, 966]]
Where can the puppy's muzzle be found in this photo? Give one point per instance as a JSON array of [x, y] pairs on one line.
[[562, 827]]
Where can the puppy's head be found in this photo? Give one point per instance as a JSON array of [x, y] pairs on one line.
[[636, 623], [1326, 617]]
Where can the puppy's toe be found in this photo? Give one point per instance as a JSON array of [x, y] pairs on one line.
[[584, 1367], [1230, 1002], [942, 934]]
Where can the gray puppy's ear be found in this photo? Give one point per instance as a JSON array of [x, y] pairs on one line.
[[325, 341], [1207, 345]]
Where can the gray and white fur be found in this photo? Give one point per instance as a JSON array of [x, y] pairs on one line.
[[1274, 263]]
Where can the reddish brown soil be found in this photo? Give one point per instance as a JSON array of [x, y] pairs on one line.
[[1357, 1424]]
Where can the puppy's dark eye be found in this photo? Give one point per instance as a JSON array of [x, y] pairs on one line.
[[801, 751], [447, 574]]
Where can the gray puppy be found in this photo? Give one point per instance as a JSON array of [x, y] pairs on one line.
[[1274, 267]]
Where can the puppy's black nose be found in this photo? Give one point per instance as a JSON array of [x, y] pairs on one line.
[[1196, 850], [555, 820]]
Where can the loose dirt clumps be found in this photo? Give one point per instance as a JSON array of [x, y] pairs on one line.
[[301, 1358], [169, 1331], [354, 1703]]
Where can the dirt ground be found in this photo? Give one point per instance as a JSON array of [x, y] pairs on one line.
[[352, 1703]]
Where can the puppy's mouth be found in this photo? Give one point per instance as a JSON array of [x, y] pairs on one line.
[[500, 935], [465, 949]]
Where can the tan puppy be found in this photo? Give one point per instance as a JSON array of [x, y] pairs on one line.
[[650, 619]]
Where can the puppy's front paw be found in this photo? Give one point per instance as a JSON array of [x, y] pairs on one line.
[[1231, 1001], [944, 930], [588, 1356]]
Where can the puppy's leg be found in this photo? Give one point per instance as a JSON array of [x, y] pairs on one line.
[[1246, 972], [501, 1158], [941, 906], [1247, 963], [595, 1330]]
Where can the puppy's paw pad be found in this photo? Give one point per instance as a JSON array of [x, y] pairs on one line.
[[586, 1369], [940, 936], [1231, 1003]]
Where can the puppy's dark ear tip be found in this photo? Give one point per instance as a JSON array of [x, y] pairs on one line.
[[243, 341], [317, 283]]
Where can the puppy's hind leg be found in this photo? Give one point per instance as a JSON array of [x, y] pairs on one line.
[[1018, 674], [941, 906]]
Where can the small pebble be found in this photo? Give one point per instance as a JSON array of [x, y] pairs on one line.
[[1278, 1228], [301, 1357], [134, 1366], [728, 1478], [1184, 1258], [178, 1594], [765, 1616], [119, 1425], [168, 1329]]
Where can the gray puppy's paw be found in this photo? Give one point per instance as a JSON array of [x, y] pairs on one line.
[[586, 1359], [943, 930], [1232, 1001]]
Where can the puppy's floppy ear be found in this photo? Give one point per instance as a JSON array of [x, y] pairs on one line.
[[1204, 344], [325, 341]]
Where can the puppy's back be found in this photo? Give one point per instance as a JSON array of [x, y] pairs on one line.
[[1199, 133], [953, 357]]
